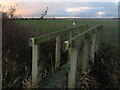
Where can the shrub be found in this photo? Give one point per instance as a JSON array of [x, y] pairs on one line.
[[15, 53]]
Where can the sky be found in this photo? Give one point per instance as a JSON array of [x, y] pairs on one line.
[[86, 9]]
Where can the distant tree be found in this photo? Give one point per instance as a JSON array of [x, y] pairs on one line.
[[44, 13], [10, 11]]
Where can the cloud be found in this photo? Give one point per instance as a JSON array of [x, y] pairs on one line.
[[101, 13], [77, 9]]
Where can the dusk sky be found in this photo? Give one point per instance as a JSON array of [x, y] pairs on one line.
[[67, 9]]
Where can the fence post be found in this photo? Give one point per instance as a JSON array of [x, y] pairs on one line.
[[58, 51], [85, 57], [93, 46], [35, 57], [73, 66]]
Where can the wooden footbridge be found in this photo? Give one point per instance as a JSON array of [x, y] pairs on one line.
[[81, 35]]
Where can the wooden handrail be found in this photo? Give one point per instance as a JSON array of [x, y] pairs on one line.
[[43, 38], [69, 42]]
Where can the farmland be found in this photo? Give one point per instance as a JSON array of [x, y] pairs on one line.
[[34, 27]]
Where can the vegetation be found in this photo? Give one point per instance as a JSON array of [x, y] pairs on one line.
[[44, 13], [15, 64], [105, 73], [17, 54]]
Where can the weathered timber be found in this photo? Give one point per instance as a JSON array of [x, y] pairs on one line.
[[73, 66], [58, 51], [35, 57], [81, 35], [85, 57], [101, 35], [98, 39], [92, 54], [53, 35]]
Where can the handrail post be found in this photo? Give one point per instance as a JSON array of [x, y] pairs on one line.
[[58, 52], [93, 46], [73, 66], [35, 57], [70, 36], [85, 57], [98, 41], [101, 34]]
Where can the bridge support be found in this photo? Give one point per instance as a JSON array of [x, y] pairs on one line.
[[35, 57], [58, 51], [85, 57], [93, 41], [73, 66]]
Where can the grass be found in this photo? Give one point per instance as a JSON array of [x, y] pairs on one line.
[[38, 27], [53, 25]]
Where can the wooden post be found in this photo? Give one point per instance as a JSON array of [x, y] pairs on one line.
[[85, 57], [58, 51], [98, 39], [73, 65], [70, 36], [101, 34], [35, 57], [93, 46]]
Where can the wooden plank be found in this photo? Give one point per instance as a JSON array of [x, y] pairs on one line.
[[92, 54], [35, 57], [73, 66], [53, 35], [58, 51], [85, 57]]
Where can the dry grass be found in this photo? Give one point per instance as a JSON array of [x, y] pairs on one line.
[[105, 73], [86, 80]]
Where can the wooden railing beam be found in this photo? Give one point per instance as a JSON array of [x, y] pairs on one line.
[[81, 35], [53, 35]]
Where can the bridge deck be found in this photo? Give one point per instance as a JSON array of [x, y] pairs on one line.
[[59, 77]]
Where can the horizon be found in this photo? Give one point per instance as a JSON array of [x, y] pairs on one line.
[[71, 17]]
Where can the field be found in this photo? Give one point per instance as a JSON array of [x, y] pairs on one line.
[[36, 27]]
